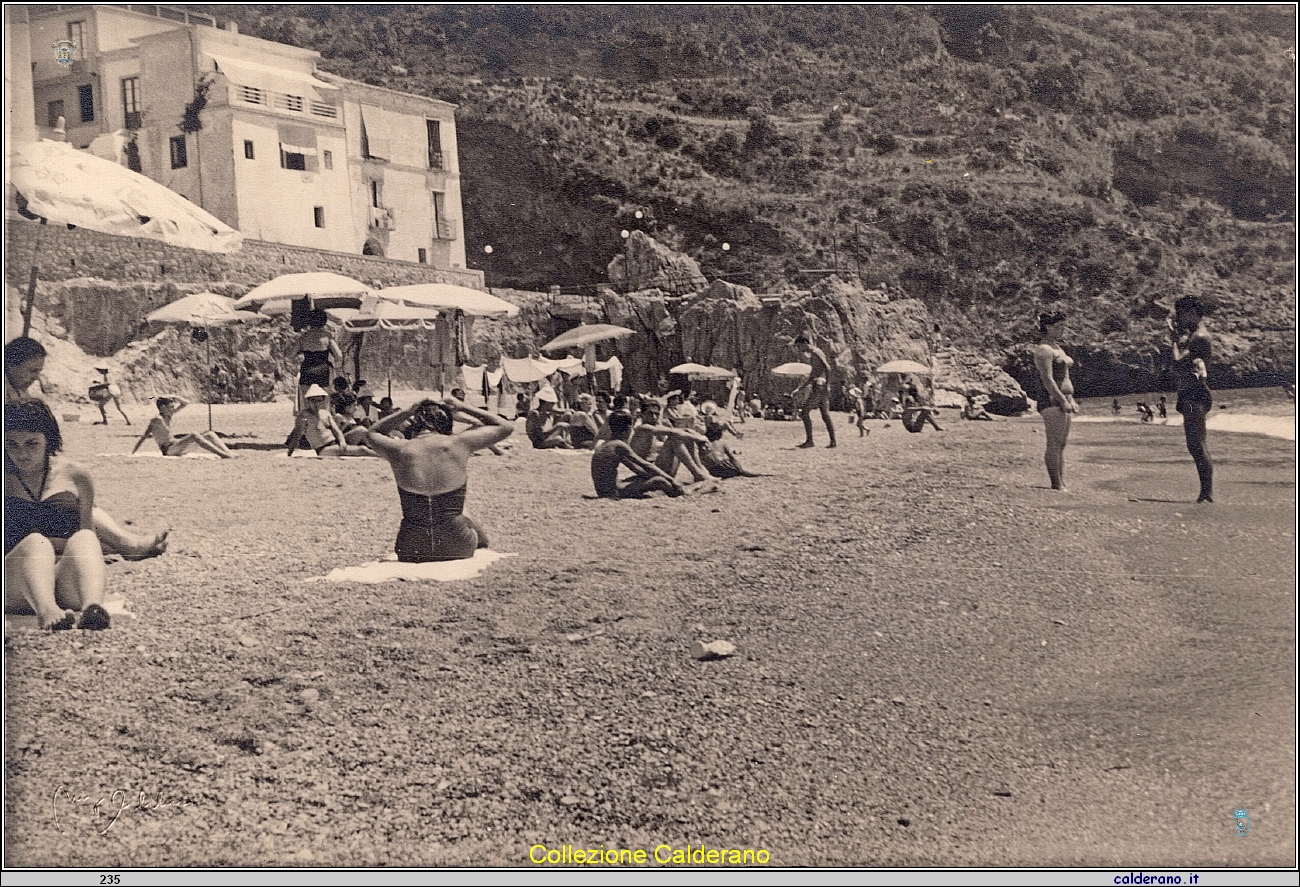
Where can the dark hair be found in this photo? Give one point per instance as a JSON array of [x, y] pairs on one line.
[[458, 393], [20, 350], [1049, 318], [619, 423], [340, 383], [1186, 303], [358, 384], [429, 416], [714, 432], [34, 415], [802, 340], [317, 318]]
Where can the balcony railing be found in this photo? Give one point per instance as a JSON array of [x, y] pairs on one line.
[[295, 104], [381, 217], [435, 159], [446, 229]]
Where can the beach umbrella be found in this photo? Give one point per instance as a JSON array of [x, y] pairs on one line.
[[199, 312], [54, 182], [450, 297], [587, 334], [794, 370], [699, 371], [905, 366], [324, 289]]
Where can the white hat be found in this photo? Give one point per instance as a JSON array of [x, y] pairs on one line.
[[547, 394], [315, 391]]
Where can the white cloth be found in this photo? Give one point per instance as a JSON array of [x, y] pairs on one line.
[[392, 570], [473, 377]]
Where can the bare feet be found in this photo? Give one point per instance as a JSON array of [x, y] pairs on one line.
[[94, 618], [806, 445], [63, 623], [153, 549], [831, 445]]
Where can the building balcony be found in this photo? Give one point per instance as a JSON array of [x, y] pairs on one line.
[[381, 218], [435, 159], [279, 101], [447, 229]]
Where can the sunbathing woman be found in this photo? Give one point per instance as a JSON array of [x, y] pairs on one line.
[[24, 362], [430, 467], [53, 562], [161, 431], [317, 424]]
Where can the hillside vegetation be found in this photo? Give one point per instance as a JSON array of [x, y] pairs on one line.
[[987, 160]]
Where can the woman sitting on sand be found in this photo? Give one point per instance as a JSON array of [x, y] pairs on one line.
[[430, 467], [160, 429], [53, 562], [317, 424], [24, 363], [1055, 394]]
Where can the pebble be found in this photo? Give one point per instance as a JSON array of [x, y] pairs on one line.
[[310, 695], [713, 650], [247, 641]]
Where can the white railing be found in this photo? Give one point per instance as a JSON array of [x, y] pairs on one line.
[[294, 104]]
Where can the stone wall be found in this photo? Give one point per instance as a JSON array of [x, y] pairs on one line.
[[63, 254]]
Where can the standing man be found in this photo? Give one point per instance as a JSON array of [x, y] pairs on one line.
[[819, 396]]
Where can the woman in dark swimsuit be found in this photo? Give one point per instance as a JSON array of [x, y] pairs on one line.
[[318, 350], [53, 562], [430, 469], [1055, 394], [1191, 347]]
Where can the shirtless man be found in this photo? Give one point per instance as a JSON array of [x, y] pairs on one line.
[[650, 432], [610, 454], [542, 428], [721, 460], [819, 396]]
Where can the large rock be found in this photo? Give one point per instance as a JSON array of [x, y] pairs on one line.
[[963, 375], [648, 264]]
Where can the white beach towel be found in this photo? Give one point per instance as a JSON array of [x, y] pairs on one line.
[[390, 569], [115, 604]]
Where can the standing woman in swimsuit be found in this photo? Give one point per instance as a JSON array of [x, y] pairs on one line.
[[430, 469], [53, 561], [1191, 347], [319, 351], [1056, 394]]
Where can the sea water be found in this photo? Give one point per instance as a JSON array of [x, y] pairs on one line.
[[1265, 411]]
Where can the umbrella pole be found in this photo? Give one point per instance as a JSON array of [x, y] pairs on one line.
[[31, 286], [208, 340], [389, 368]]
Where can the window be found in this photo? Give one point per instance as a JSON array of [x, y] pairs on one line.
[[75, 34], [293, 160], [248, 150], [180, 159], [329, 159], [374, 193], [424, 256], [86, 100], [319, 213], [54, 110], [131, 95], [434, 130]]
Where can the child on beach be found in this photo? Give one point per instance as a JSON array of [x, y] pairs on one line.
[[160, 430], [102, 391]]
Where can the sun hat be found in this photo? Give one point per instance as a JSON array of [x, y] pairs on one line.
[[315, 391], [547, 394]]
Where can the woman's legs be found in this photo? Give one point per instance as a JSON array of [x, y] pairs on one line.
[[116, 538], [1057, 422], [1194, 430], [210, 442], [118, 403], [30, 581], [79, 573]]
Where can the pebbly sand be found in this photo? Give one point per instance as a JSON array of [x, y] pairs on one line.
[[939, 661]]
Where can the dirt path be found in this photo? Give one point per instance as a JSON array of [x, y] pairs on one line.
[[939, 662]]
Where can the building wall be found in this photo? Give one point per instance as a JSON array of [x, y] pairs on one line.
[[20, 102], [167, 76]]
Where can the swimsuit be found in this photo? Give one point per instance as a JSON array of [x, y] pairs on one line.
[[433, 528], [1062, 360], [315, 369], [56, 517], [1193, 392]]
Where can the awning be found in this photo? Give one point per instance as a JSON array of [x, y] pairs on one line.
[[374, 123], [297, 139], [267, 77]]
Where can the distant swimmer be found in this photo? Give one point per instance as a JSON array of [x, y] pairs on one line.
[[1191, 351], [1055, 394]]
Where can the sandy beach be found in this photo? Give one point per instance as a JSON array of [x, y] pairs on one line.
[[939, 661]]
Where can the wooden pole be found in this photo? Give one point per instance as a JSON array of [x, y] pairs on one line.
[[208, 339]]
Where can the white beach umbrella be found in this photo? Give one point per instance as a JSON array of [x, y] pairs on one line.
[[325, 289], [793, 370], [450, 297]]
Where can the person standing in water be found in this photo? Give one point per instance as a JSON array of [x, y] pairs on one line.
[[1055, 395], [1191, 351]]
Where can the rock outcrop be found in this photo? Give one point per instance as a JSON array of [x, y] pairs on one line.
[[648, 264], [961, 374]]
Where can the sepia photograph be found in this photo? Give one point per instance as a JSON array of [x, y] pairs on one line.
[[650, 438]]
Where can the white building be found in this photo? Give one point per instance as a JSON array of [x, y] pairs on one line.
[[250, 131]]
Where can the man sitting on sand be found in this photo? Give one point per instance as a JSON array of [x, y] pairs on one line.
[[160, 429], [916, 413], [610, 454], [583, 429], [317, 424], [542, 428], [721, 460], [674, 443]]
